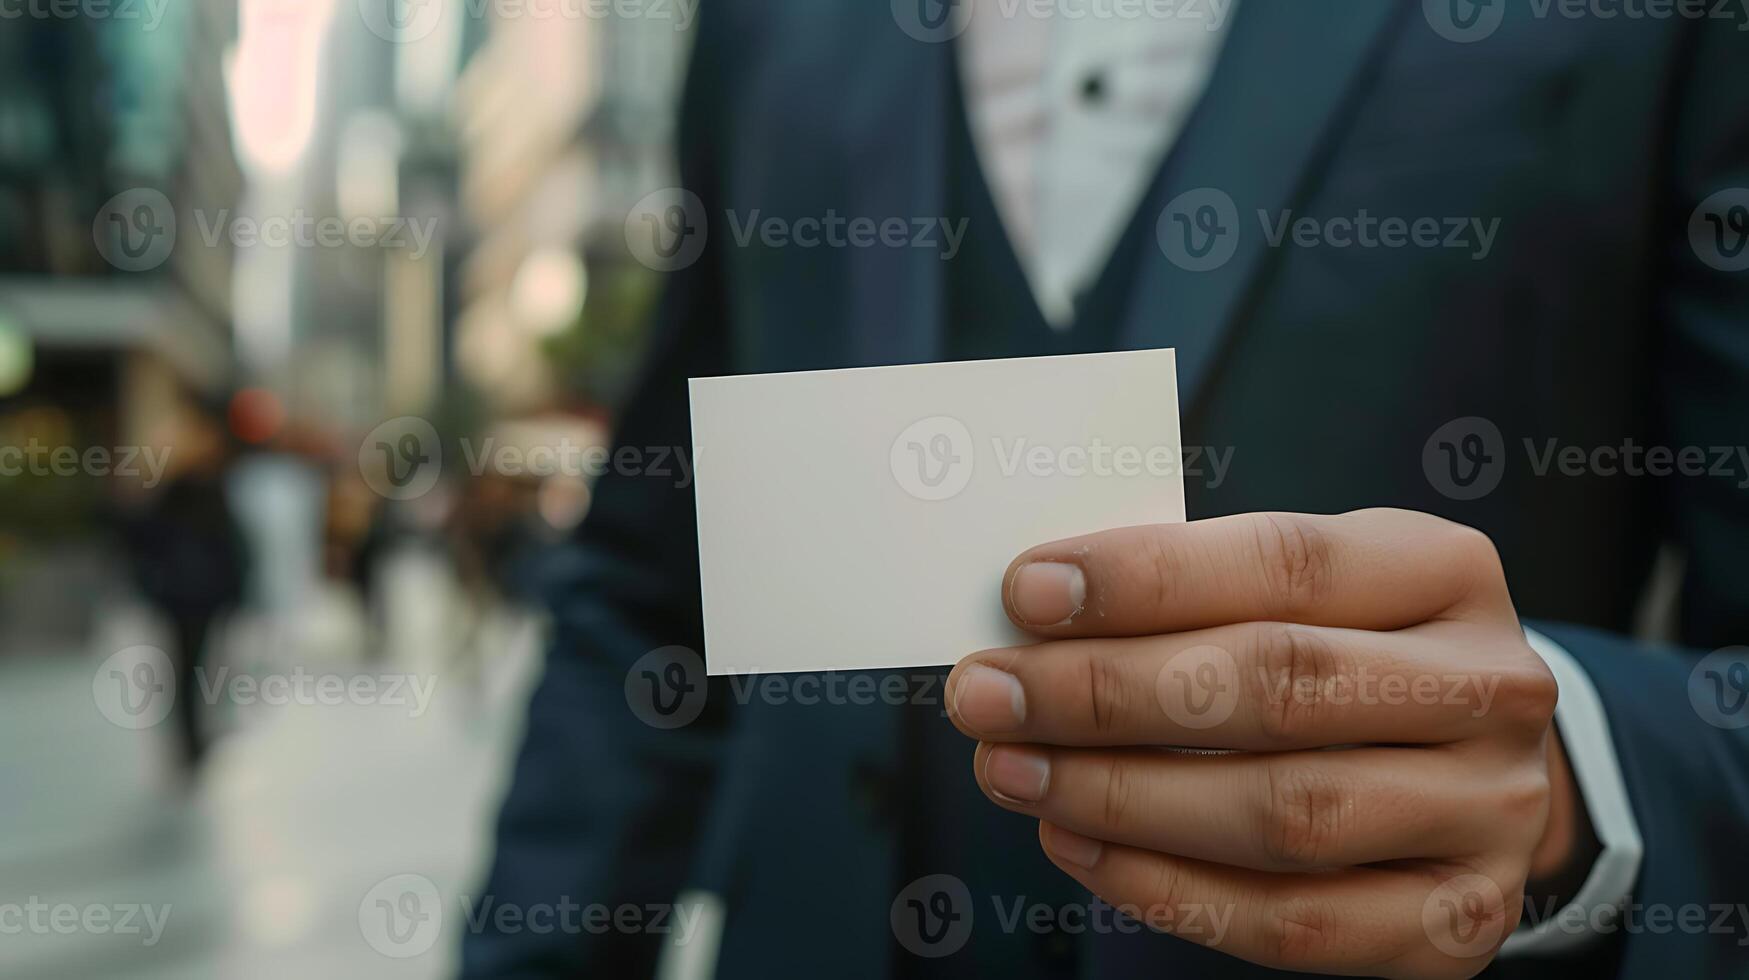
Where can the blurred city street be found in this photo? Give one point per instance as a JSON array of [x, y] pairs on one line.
[[312, 323], [260, 867]]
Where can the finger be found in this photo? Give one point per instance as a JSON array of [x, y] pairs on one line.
[[1373, 569], [1297, 811], [1370, 921], [1257, 687]]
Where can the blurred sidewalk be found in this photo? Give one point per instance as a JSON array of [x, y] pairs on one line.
[[260, 872]]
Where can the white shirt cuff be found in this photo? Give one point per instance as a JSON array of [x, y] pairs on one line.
[[1590, 753]]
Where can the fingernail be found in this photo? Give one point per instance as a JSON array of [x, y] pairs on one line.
[[1082, 852], [1047, 593], [989, 700], [1017, 774]]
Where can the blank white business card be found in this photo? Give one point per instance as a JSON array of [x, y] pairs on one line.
[[863, 518]]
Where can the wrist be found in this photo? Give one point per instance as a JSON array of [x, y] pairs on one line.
[[1569, 845]]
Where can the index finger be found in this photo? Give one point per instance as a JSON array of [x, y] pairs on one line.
[[1371, 569]]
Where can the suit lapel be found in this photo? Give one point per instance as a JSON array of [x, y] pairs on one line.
[[897, 119], [1282, 83]]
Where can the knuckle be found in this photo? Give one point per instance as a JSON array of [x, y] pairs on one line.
[[1525, 799], [1303, 820], [1108, 695], [1301, 930], [1528, 695], [1154, 569], [1472, 544], [1120, 794], [1474, 553], [1296, 557], [1169, 890], [1299, 667]]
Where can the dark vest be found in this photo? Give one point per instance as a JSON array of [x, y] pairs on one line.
[[950, 827]]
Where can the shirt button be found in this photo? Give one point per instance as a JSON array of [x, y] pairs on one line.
[[1093, 88]]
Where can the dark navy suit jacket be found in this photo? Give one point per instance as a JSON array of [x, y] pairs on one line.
[[1592, 321]]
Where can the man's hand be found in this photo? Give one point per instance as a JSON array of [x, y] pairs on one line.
[[1386, 635]]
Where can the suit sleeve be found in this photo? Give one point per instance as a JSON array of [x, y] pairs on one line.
[[604, 808], [1684, 759]]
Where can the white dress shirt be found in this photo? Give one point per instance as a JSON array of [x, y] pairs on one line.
[[1072, 117]]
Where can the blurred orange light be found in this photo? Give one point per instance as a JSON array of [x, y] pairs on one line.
[[256, 415]]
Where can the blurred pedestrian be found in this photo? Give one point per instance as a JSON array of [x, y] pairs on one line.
[[189, 557]]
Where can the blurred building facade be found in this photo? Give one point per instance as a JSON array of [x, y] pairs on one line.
[[481, 159], [103, 122]]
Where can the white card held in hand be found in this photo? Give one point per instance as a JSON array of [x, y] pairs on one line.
[[863, 518]]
